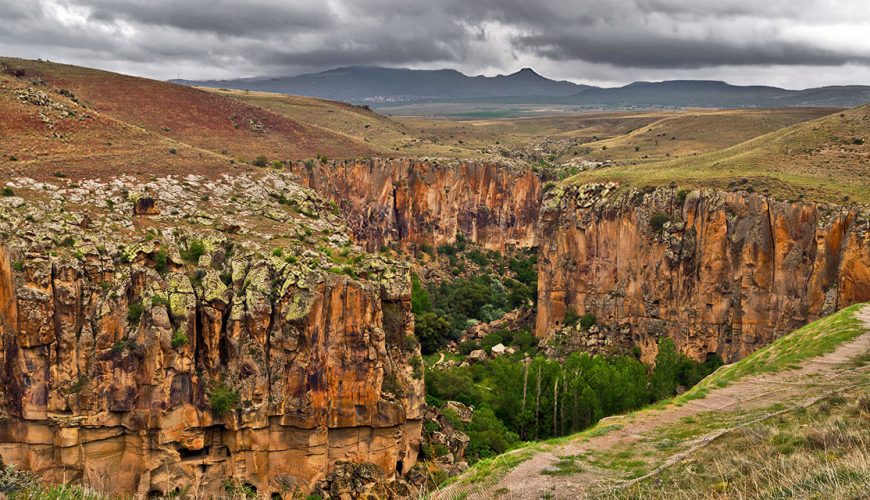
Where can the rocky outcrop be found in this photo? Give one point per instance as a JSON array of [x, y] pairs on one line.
[[718, 272], [151, 356], [408, 203]]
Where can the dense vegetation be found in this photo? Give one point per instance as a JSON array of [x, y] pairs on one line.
[[542, 398], [442, 312]]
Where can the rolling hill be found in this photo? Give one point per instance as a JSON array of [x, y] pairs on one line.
[[58, 116], [826, 159]]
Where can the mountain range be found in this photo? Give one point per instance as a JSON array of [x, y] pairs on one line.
[[383, 87]]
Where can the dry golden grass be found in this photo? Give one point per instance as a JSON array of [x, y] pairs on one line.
[[827, 159]]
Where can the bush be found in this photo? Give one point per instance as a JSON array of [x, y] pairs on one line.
[[466, 346], [664, 377], [658, 220], [195, 249], [571, 318], [681, 196], [587, 321], [161, 261], [7, 191], [179, 339], [432, 331], [261, 161], [222, 399], [134, 312]]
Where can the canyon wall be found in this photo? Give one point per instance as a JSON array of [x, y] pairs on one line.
[[136, 365], [718, 272], [411, 202]]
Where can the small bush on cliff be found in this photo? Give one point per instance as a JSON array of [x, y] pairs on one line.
[[7, 191], [18, 266], [587, 321], [195, 249], [222, 399], [664, 377], [134, 312], [681, 196], [179, 339], [161, 261], [658, 220], [261, 161]]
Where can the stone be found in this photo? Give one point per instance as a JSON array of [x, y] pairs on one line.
[[477, 355], [498, 349]]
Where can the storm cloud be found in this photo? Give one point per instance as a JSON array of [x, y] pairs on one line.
[[792, 43]]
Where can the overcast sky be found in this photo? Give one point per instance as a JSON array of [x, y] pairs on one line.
[[789, 43]]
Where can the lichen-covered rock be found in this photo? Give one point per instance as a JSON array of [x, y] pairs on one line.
[[718, 272], [146, 360]]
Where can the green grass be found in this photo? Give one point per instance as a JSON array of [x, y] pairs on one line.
[[817, 338]]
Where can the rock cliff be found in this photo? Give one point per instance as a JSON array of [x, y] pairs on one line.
[[410, 202], [220, 341], [718, 272]]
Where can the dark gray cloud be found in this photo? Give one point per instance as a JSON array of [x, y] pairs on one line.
[[785, 42]]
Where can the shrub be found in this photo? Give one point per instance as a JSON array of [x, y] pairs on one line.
[[278, 252], [588, 320], [18, 266], [658, 220], [222, 399], [179, 339], [681, 196], [466, 346], [417, 366], [173, 151], [277, 165], [432, 331], [7, 191], [134, 312], [571, 318], [261, 161], [195, 249], [161, 261], [159, 300], [664, 378]]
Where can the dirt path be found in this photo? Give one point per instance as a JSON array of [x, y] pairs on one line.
[[440, 360], [540, 476]]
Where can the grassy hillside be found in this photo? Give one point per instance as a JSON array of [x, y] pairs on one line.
[[121, 123], [827, 159], [694, 132], [787, 421]]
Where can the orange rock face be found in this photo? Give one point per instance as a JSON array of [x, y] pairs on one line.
[[410, 202], [718, 272], [318, 363]]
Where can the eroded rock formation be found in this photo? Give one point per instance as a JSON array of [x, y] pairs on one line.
[[718, 272], [169, 353], [412, 202]]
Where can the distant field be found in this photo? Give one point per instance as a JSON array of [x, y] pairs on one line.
[[826, 159]]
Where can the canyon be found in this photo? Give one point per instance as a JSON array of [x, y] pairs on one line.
[[721, 272]]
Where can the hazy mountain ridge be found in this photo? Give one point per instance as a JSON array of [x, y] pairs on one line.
[[380, 86]]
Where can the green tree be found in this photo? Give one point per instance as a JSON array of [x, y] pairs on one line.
[[664, 377]]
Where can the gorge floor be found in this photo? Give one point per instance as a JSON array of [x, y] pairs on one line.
[[622, 450]]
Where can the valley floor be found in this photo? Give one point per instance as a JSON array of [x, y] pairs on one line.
[[662, 452]]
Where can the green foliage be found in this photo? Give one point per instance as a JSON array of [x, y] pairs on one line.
[[179, 339], [7, 191], [478, 257], [466, 346], [134, 312], [161, 261], [681, 196], [261, 161], [587, 321], [417, 367], [664, 378], [18, 266], [278, 252], [195, 249], [277, 165], [222, 399], [571, 318], [488, 436], [658, 220], [420, 302], [433, 331], [159, 300]]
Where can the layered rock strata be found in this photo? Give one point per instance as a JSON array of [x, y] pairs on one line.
[[408, 203], [220, 343], [718, 272]]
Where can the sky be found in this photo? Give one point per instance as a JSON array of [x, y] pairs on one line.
[[787, 43]]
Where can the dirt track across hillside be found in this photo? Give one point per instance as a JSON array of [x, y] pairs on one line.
[[544, 475]]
